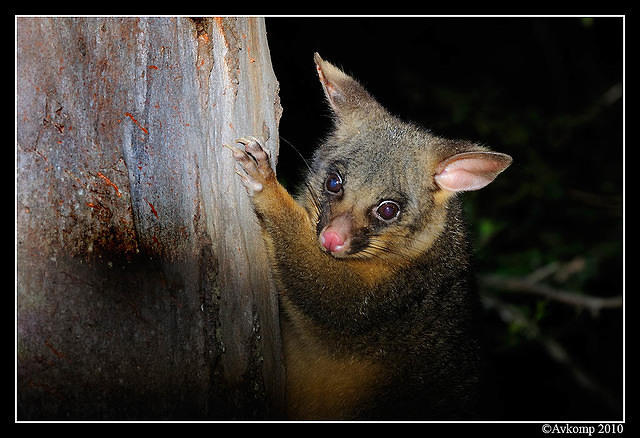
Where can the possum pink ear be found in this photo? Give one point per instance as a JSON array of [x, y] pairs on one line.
[[470, 170]]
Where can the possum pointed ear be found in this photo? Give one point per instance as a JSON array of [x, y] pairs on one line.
[[343, 92], [470, 170]]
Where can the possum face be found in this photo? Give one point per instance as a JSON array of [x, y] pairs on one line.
[[371, 196], [379, 186], [353, 210]]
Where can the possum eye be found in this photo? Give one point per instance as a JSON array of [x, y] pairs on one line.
[[387, 210], [333, 183]]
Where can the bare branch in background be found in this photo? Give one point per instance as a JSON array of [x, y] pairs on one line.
[[511, 314], [531, 284]]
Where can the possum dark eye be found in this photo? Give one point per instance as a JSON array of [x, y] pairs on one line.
[[387, 210], [333, 183]]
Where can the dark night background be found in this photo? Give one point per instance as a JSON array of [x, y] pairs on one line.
[[547, 91]]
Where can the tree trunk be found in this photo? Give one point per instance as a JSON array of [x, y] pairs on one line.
[[142, 282]]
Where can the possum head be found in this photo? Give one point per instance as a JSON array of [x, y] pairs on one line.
[[380, 186]]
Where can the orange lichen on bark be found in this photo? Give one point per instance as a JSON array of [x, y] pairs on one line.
[[153, 210], [109, 182], [136, 122]]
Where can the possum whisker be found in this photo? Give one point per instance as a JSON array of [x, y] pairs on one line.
[[411, 239], [314, 198], [370, 253], [383, 249], [297, 152], [312, 193]]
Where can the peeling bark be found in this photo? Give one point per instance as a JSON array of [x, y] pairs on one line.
[[143, 285]]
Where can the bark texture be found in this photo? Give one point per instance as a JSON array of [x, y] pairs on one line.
[[143, 289]]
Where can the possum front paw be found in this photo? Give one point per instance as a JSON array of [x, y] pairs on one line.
[[254, 160]]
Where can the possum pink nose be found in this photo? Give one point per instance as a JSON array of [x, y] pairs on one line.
[[332, 240]]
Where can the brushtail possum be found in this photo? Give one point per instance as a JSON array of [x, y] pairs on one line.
[[372, 264]]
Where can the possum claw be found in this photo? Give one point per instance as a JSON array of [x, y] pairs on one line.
[[254, 160], [252, 186]]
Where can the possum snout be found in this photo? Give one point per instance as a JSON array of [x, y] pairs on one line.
[[335, 238]]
